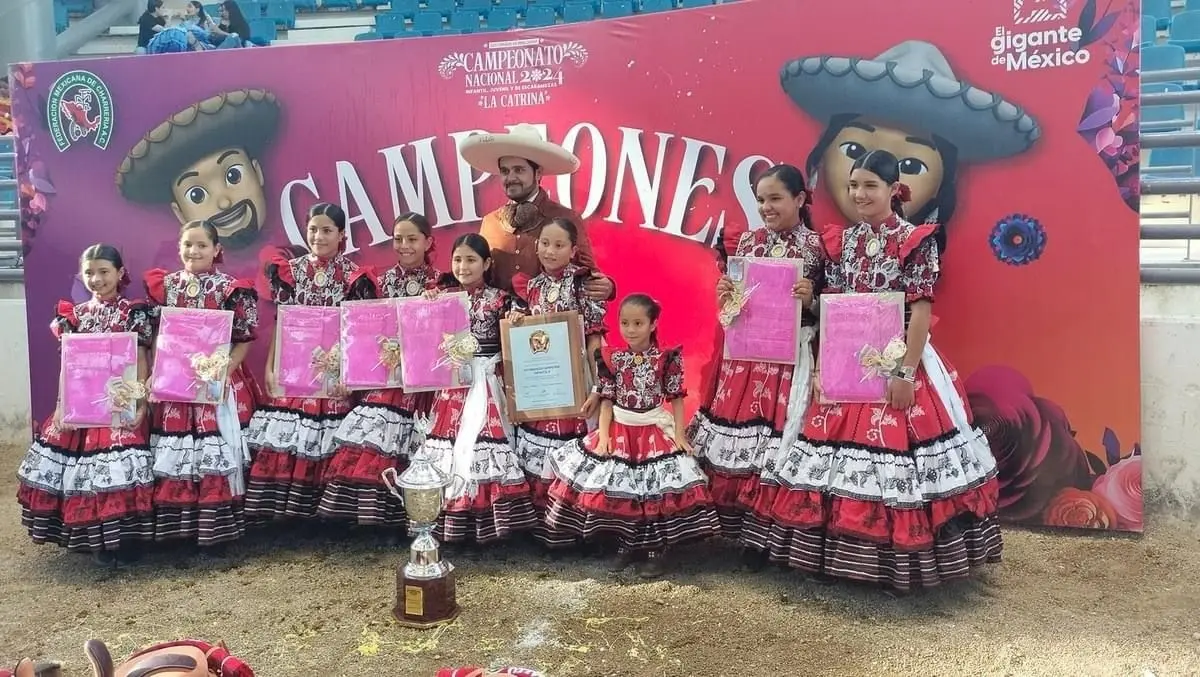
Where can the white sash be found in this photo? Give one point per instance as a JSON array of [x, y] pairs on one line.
[[801, 392], [943, 385], [231, 431], [474, 418], [658, 416]]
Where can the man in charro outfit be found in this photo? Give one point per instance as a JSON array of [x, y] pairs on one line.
[[521, 158]]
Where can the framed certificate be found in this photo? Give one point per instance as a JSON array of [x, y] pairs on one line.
[[862, 343], [544, 366], [764, 318]]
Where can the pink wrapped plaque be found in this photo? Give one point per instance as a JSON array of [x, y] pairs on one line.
[[191, 355], [862, 344], [436, 342], [99, 381], [762, 319], [307, 350], [371, 344]]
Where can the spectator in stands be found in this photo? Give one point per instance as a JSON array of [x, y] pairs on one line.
[[152, 21], [194, 13], [234, 30]]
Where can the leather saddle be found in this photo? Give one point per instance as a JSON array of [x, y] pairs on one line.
[[184, 658], [28, 668]]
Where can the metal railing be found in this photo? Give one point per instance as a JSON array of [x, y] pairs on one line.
[[11, 263], [1182, 133]]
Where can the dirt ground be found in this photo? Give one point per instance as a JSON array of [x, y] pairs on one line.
[[1060, 604]]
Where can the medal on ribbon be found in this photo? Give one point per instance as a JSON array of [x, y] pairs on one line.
[[192, 289], [778, 250], [321, 278], [412, 288], [553, 292]]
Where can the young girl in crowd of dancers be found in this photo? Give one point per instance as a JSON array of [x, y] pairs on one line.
[[379, 432], [558, 288], [469, 432], [292, 439]]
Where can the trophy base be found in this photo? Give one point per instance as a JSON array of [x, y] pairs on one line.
[[424, 603]]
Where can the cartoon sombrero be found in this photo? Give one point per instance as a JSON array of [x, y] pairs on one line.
[[483, 151], [243, 118], [912, 85]]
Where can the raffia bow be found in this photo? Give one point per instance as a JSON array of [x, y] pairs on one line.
[[389, 354], [122, 397], [458, 348], [327, 364], [878, 364], [733, 306], [210, 371]]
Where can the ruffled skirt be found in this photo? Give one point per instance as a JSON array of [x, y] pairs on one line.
[[534, 441]]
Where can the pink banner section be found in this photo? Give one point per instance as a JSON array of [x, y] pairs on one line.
[[371, 344], [307, 352], [862, 342], [99, 386], [191, 355], [767, 329], [426, 328]]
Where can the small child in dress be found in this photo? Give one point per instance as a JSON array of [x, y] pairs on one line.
[[378, 433], [469, 435], [200, 453], [91, 489], [292, 437], [634, 476], [559, 288]]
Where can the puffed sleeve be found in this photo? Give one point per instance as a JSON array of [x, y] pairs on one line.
[[919, 264], [831, 241], [280, 278], [65, 320], [140, 322], [363, 285], [156, 287], [672, 374], [591, 310], [243, 301], [607, 380]]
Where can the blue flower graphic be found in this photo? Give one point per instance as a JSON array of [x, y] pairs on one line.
[[1018, 239]]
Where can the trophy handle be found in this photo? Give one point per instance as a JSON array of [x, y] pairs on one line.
[[392, 482]]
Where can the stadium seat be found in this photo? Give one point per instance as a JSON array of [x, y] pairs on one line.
[[428, 23], [282, 12], [611, 9], [405, 8], [1185, 31], [1191, 5], [1162, 57], [250, 8], [375, 4], [340, 4], [1149, 30], [389, 24], [481, 6], [81, 7], [689, 4], [1170, 162], [1162, 118], [1160, 10], [443, 7], [645, 6], [518, 5], [465, 21], [262, 30], [556, 5], [502, 19], [213, 11], [538, 16], [305, 5], [574, 12], [369, 35], [62, 17]]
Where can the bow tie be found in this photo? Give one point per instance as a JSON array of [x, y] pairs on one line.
[[519, 216]]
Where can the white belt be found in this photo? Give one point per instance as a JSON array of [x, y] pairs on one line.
[[658, 416]]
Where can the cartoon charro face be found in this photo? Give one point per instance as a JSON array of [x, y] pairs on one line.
[[907, 101], [204, 161]]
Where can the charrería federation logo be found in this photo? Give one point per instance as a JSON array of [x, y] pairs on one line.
[[80, 106]]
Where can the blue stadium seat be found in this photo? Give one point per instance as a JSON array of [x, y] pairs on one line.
[[83, 7], [1160, 10], [502, 19], [374, 4], [465, 21], [611, 9], [1191, 5], [1185, 31], [213, 11], [1149, 30], [1162, 57], [341, 4], [443, 7], [518, 5], [389, 24], [556, 5], [62, 17], [538, 16], [428, 23], [262, 30], [369, 35], [8, 196], [688, 4], [250, 8], [574, 12], [645, 6], [405, 8], [481, 6], [282, 12], [1156, 118], [1170, 162], [305, 5]]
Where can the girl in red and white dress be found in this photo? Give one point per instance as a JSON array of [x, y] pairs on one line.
[[902, 494], [558, 288], [378, 433], [634, 478], [91, 489], [292, 437], [200, 454], [469, 434], [758, 407]]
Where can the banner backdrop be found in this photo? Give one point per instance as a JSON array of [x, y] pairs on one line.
[[1016, 124]]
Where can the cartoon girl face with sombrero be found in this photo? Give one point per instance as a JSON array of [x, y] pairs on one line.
[[906, 101], [205, 162]]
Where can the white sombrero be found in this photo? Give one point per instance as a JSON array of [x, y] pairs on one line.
[[913, 85], [483, 151]]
